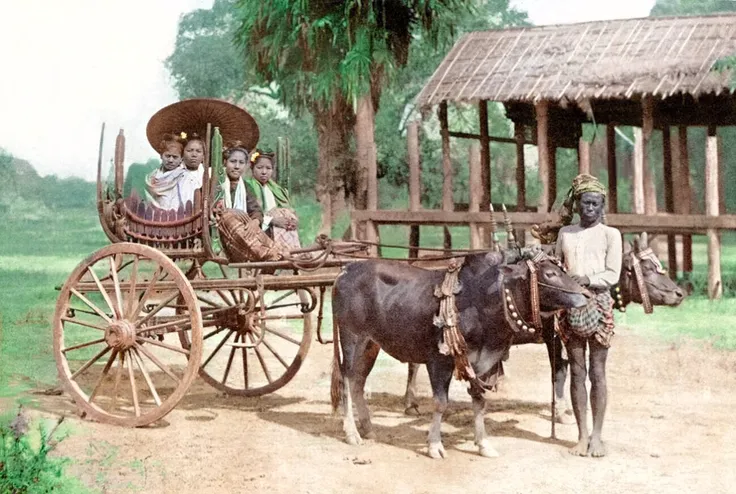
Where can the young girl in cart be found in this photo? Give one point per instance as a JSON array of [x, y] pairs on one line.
[[280, 220]]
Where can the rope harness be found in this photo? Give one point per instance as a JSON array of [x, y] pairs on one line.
[[453, 343], [635, 272]]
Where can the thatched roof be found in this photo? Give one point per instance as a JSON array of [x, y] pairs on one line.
[[605, 59]]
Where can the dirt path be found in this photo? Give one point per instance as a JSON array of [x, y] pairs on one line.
[[669, 428]]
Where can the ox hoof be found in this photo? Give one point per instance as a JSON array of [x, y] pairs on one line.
[[597, 448], [437, 451], [565, 417], [353, 440], [369, 435], [488, 451], [580, 449], [412, 409]]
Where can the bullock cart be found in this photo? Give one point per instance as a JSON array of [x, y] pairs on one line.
[[137, 320]]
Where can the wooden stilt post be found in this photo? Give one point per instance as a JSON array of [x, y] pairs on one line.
[[642, 137], [669, 198], [612, 169], [519, 136], [415, 181], [485, 167], [715, 288], [543, 149], [476, 192], [447, 198], [684, 202], [583, 156]]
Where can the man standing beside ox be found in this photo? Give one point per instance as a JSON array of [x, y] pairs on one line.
[[591, 252]]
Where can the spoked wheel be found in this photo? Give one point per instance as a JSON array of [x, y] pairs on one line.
[[115, 345], [254, 340]]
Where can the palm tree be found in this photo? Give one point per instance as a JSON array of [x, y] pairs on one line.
[[332, 58]]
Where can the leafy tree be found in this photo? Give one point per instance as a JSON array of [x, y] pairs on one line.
[[691, 7]]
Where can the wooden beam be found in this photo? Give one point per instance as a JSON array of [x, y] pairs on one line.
[[684, 188], [584, 156], [475, 193], [660, 223], [715, 287], [612, 168], [485, 155], [415, 181], [669, 199], [468, 135], [542, 108], [447, 200]]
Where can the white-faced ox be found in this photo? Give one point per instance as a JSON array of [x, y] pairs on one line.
[[390, 306]]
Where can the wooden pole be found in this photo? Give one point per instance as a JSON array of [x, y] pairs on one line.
[[684, 202], [520, 177], [715, 288], [669, 198], [541, 109], [415, 188], [612, 168], [485, 155], [552, 172], [520, 168], [642, 137], [119, 164], [447, 199], [583, 156], [476, 192]]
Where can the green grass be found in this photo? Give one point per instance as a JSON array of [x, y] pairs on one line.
[[697, 317], [36, 255]]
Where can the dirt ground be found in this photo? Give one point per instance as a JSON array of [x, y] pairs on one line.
[[669, 428]]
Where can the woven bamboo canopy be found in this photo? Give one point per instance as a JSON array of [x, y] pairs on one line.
[[665, 57]]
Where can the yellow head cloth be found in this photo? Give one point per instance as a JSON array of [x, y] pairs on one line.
[[587, 183]]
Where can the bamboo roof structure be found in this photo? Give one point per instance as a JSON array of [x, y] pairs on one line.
[[616, 59]]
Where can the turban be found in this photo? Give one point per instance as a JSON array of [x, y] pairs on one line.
[[580, 185], [586, 183]]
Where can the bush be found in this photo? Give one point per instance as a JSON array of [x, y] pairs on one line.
[[25, 462]]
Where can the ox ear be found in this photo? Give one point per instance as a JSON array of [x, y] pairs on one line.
[[627, 247]]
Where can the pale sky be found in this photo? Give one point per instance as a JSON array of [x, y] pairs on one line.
[[68, 65]]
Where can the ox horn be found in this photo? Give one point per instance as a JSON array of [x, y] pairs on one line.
[[510, 238], [494, 228]]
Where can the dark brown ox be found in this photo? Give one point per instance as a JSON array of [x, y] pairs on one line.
[[391, 306], [649, 278]]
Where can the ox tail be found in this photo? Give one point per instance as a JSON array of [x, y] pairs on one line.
[[336, 383]]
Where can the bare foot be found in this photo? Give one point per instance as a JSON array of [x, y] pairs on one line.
[[597, 448], [580, 449], [412, 409]]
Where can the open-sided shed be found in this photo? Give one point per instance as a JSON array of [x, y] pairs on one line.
[[655, 73]]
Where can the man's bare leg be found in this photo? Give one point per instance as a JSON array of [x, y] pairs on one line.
[[598, 395], [579, 392]]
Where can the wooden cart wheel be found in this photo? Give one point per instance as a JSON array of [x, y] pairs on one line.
[[113, 342], [251, 346]]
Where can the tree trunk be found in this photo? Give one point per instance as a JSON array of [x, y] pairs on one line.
[[366, 196], [334, 125]]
